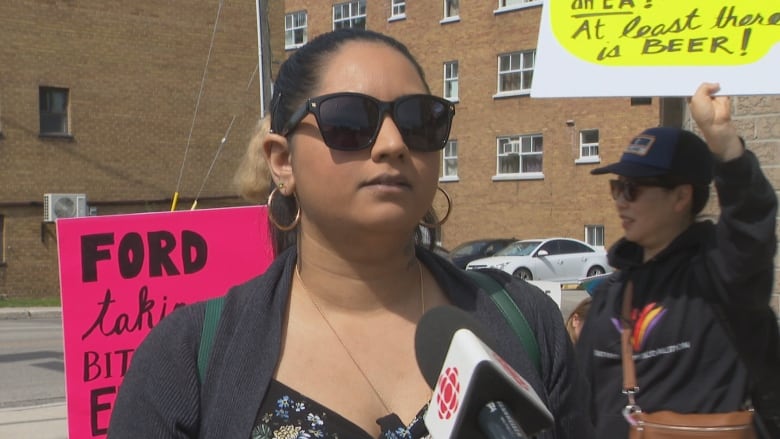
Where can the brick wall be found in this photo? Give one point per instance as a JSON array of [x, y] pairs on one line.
[[758, 122], [134, 72]]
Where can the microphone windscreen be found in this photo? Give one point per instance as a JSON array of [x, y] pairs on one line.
[[434, 334]]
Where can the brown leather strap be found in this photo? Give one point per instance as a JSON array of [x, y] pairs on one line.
[[629, 370]]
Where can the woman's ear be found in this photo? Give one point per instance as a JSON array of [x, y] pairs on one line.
[[277, 155], [684, 198]]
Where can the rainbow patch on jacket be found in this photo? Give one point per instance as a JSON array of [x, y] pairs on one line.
[[645, 320]]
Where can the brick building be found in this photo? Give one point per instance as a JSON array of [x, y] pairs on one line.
[[99, 98], [517, 166]]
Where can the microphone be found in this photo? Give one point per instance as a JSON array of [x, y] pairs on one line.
[[476, 394]]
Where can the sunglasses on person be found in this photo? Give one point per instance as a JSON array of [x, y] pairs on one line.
[[351, 121], [629, 189]]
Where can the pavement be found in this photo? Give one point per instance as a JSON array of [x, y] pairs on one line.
[[42, 421], [49, 421]]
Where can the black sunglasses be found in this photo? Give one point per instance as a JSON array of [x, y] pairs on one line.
[[351, 121], [629, 189]]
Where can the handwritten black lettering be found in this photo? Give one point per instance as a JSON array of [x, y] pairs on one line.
[[728, 17], [123, 322], [635, 28], [586, 27]]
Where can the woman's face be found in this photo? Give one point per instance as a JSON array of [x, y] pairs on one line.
[[654, 218], [383, 188]]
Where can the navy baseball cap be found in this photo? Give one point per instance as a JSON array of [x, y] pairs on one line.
[[665, 152]]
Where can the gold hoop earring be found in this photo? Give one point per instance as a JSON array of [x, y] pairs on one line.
[[446, 215], [271, 218]]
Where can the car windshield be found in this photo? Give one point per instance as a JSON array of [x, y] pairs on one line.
[[468, 248], [520, 248]]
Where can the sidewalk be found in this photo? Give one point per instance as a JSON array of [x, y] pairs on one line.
[[47, 421], [43, 421], [11, 313]]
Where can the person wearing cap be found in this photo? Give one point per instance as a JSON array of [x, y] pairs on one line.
[[684, 271]]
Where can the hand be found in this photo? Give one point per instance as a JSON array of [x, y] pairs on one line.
[[712, 115]]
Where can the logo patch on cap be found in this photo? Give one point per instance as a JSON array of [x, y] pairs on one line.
[[640, 145]]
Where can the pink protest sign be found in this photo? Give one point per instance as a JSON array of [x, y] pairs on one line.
[[121, 274]]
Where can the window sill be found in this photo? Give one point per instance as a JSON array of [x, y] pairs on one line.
[[511, 94], [587, 160], [397, 18], [524, 176], [453, 19], [68, 137], [294, 46], [528, 5], [454, 99], [449, 178]]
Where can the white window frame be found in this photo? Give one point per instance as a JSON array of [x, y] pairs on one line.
[[352, 15], [527, 152], [513, 5], [520, 68], [397, 10], [451, 83], [451, 11], [449, 162], [49, 116], [293, 28], [594, 234], [589, 150]]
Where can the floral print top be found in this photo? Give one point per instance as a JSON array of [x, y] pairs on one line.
[[287, 414]]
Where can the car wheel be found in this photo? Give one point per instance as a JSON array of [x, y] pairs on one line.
[[595, 271], [523, 273]]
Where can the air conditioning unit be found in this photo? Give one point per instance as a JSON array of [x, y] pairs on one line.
[[57, 206]]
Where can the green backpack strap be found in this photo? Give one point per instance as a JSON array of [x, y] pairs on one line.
[[511, 312], [210, 322]]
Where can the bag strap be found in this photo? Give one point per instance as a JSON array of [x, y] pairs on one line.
[[210, 322], [511, 312], [627, 353]]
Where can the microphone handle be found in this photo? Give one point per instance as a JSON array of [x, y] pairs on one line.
[[497, 422]]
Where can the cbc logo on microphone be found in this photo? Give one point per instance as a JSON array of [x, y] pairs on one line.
[[449, 390]]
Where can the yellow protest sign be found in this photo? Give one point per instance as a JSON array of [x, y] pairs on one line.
[[666, 32]]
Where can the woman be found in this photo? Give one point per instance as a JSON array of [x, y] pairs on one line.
[[576, 319], [322, 344], [699, 309]]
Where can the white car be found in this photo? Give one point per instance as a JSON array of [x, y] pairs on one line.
[[553, 259]]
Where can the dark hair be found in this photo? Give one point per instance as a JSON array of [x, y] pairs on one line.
[[296, 81], [701, 194]]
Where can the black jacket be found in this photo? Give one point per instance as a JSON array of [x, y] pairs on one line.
[[161, 396], [685, 358]]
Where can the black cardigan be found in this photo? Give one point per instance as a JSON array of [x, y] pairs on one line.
[[161, 396]]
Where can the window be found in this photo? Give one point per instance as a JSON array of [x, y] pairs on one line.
[[53, 105], [520, 154], [451, 80], [450, 160], [594, 235], [516, 71], [507, 4], [641, 101], [295, 30], [398, 9], [451, 8], [589, 143], [349, 14]]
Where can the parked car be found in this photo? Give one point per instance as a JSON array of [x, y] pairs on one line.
[[479, 248], [553, 259]]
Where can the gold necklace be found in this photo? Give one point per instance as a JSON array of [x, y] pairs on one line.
[[333, 330]]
